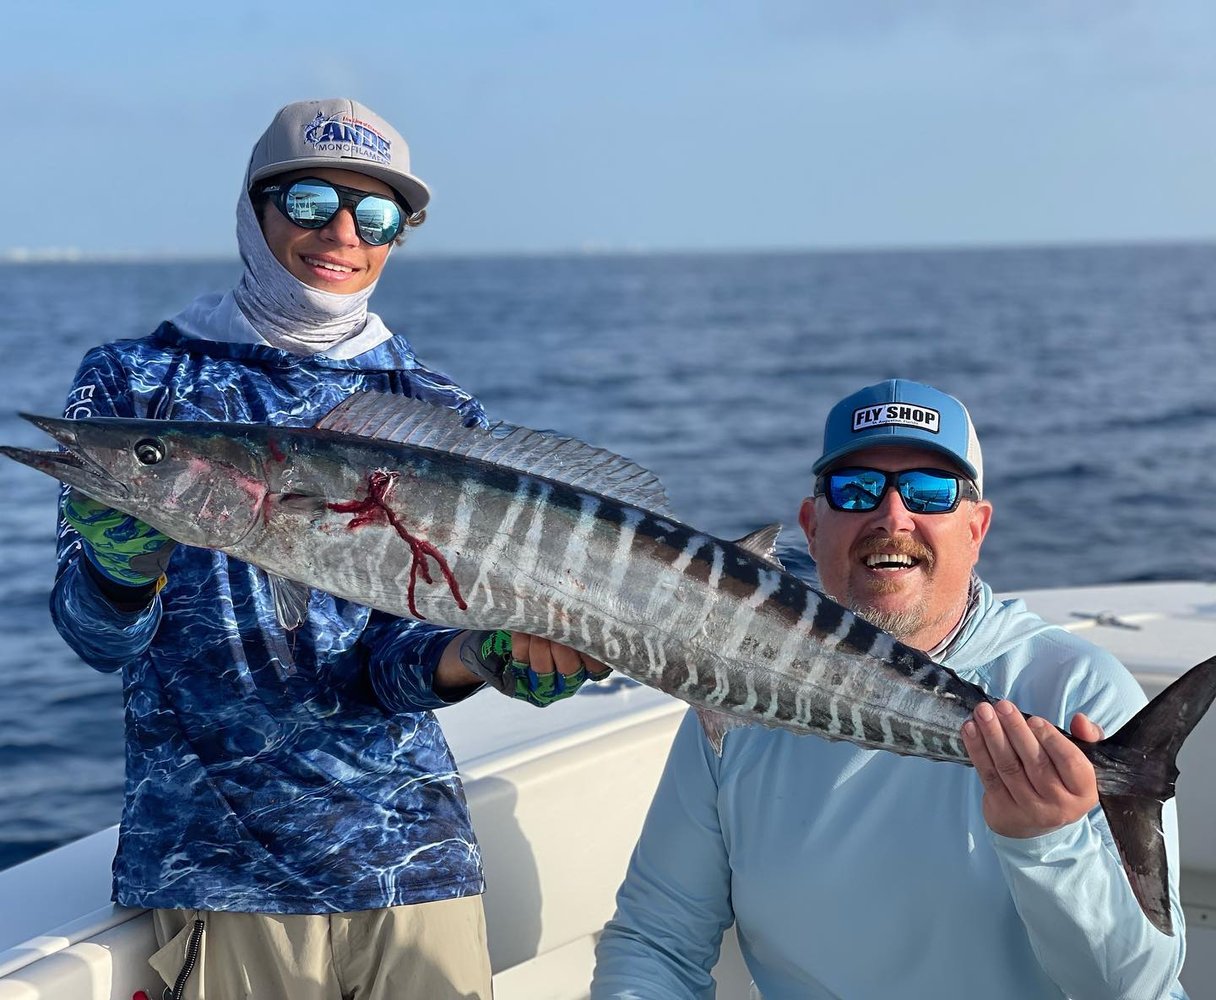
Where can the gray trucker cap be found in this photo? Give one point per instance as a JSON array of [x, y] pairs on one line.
[[338, 133]]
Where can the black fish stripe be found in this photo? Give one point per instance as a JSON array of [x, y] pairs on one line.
[[871, 729], [828, 619], [861, 635], [901, 732]]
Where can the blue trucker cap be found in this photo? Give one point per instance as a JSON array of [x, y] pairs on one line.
[[901, 412]]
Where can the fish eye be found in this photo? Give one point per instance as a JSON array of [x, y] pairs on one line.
[[149, 451]]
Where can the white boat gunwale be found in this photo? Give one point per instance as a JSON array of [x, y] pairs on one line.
[[61, 937]]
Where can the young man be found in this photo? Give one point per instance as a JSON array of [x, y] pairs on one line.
[[859, 874], [293, 815]]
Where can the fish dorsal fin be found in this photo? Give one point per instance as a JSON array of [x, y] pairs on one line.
[[568, 460], [763, 543]]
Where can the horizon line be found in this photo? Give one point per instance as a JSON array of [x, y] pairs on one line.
[[74, 255]]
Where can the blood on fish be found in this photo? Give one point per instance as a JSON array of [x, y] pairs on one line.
[[374, 509]]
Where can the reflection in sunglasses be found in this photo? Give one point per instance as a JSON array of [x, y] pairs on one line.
[[923, 491], [311, 203]]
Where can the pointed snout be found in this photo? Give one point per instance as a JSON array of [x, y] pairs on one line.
[[62, 465], [26, 456], [57, 427], [73, 465]]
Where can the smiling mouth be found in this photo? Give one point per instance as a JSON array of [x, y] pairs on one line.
[[328, 265], [885, 554], [889, 561]]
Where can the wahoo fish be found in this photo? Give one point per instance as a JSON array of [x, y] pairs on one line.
[[395, 504]]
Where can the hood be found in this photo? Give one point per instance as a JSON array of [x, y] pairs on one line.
[[394, 354], [994, 629]]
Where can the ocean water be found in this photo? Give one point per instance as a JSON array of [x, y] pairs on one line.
[[1088, 372]]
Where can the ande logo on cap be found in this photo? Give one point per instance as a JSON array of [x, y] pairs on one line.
[[903, 414], [347, 136]]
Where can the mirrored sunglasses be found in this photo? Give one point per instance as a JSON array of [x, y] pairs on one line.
[[310, 203], [923, 491]]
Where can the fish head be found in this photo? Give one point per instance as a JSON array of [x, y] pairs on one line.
[[201, 484]]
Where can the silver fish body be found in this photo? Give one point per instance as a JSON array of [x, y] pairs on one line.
[[698, 617], [393, 504]]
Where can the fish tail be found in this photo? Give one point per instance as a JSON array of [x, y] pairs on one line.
[[1137, 769]]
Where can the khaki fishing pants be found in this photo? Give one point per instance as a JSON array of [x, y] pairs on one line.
[[428, 951]]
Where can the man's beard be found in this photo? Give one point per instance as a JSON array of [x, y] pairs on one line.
[[906, 621], [901, 624]]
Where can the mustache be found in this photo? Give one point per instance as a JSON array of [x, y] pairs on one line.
[[873, 544]]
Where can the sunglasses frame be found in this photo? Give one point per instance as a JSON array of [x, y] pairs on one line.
[[348, 197], [967, 489]]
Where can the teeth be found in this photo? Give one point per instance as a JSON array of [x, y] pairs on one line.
[[889, 560], [328, 266]]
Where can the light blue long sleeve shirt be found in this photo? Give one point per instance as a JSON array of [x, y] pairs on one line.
[[860, 874]]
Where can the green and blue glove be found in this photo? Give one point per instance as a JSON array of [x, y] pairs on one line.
[[121, 548], [488, 654]]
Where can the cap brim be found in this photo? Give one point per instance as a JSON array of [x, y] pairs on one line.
[[892, 441], [413, 191]]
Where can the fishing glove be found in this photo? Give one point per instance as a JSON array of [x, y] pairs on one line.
[[120, 549], [488, 654]]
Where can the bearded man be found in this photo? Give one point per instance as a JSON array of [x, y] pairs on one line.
[[854, 873]]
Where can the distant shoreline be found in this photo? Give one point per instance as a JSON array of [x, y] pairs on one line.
[[72, 255]]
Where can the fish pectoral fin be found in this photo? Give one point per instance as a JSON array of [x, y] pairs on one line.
[[290, 601], [308, 505], [763, 543], [716, 725]]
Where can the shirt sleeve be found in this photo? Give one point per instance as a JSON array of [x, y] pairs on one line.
[[403, 656], [1083, 921], [674, 903], [1069, 887], [100, 634]]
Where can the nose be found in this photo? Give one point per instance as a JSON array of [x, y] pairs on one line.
[[892, 515], [341, 228]]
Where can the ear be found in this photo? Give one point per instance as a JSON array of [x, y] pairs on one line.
[[809, 523], [981, 519]]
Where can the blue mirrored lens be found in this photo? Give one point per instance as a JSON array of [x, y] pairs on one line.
[[856, 489], [923, 491], [378, 219], [310, 205], [927, 493]]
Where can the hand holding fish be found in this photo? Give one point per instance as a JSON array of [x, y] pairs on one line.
[[544, 656], [527, 667], [121, 548], [1035, 780]]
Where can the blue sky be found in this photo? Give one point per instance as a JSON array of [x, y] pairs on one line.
[[632, 125]]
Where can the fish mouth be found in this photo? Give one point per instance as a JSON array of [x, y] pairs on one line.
[[71, 465]]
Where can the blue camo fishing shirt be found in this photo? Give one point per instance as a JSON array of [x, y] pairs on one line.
[[265, 771]]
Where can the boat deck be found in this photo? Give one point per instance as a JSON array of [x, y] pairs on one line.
[[61, 938]]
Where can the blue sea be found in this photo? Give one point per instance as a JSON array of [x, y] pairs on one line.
[[1089, 372]]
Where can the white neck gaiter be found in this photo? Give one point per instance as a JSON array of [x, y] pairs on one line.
[[943, 648], [270, 305]]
